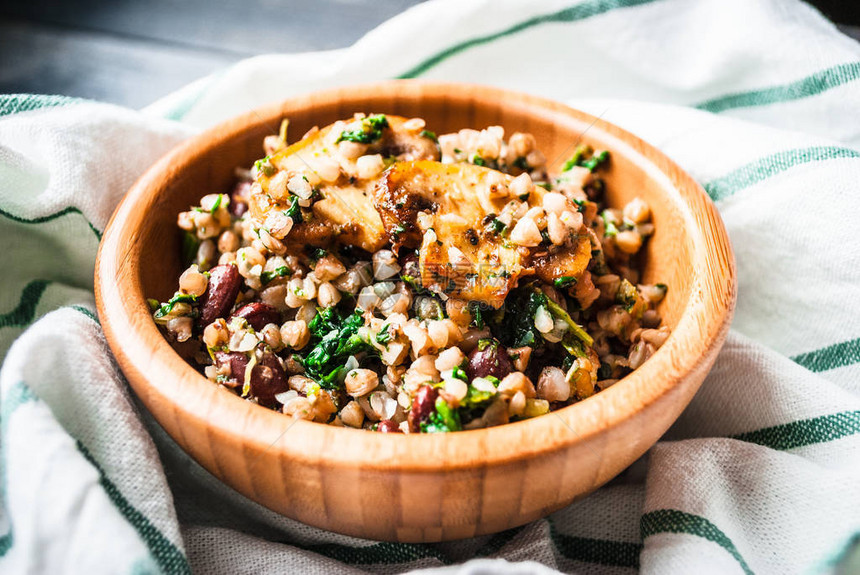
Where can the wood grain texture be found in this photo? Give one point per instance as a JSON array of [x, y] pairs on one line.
[[418, 487]]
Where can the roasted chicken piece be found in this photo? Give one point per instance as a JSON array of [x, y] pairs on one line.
[[449, 211], [341, 163], [567, 262]]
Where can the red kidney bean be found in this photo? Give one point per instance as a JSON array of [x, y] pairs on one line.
[[423, 405], [387, 426], [408, 261], [258, 314], [268, 379], [220, 294], [237, 362], [492, 360], [239, 199]]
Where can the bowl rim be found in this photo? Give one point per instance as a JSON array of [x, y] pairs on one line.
[[159, 374]]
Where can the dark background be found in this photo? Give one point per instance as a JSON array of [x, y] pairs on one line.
[[133, 52]]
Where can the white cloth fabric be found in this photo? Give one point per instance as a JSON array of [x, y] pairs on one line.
[[759, 100]]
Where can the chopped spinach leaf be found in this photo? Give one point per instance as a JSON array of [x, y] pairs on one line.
[[515, 326], [190, 245], [333, 340], [604, 371]]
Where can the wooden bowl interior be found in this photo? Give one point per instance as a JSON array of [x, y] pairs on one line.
[[556, 136]]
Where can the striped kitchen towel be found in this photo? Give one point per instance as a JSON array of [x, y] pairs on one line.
[[759, 100]]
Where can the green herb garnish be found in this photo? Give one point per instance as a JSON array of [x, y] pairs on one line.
[[443, 419], [575, 158], [579, 159], [294, 212], [627, 295], [458, 373], [278, 272], [564, 282], [429, 135], [475, 310], [497, 226], [369, 132], [476, 398], [609, 227], [594, 161], [264, 167], [487, 342], [521, 163], [384, 335], [167, 307], [577, 330]]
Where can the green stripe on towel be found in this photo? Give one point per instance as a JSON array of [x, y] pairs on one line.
[[168, 557], [600, 551], [394, 553], [17, 103], [805, 432], [812, 85], [755, 172], [51, 217], [674, 521], [830, 357], [573, 13], [87, 312], [25, 311], [378, 553]]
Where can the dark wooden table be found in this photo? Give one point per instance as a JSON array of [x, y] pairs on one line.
[[132, 52]]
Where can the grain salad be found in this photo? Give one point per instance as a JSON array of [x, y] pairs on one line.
[[373, 275]]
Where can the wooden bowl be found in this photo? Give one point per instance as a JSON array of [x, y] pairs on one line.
[[417, 487]]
